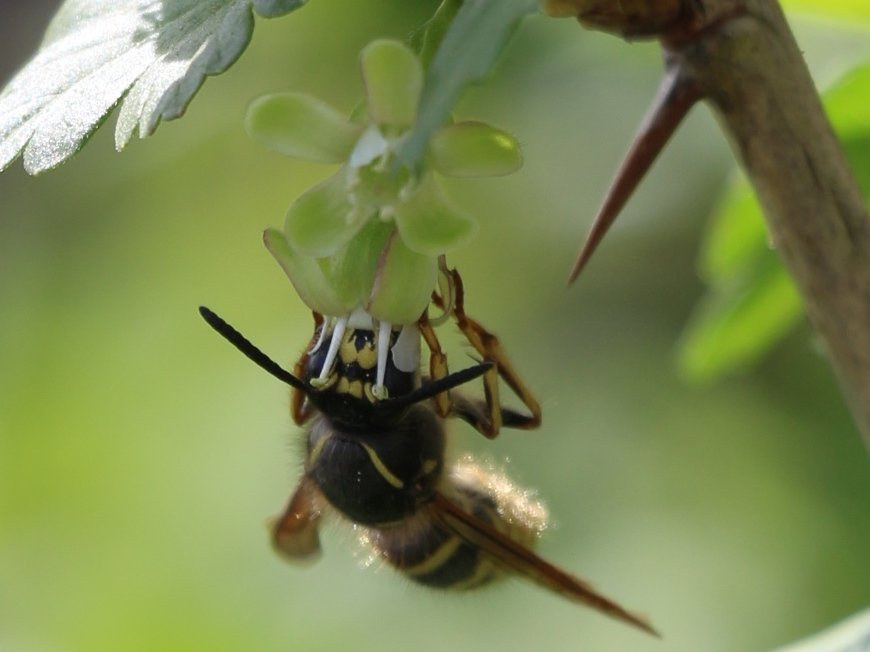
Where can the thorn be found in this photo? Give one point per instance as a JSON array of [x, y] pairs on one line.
[[676, 95]]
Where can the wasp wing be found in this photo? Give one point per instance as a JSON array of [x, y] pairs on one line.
[[294, 532], [516, 558]]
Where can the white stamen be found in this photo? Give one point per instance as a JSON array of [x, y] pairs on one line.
[[383, 350], [334, 343]]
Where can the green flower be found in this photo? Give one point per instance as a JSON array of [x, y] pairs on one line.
[[369, 237]]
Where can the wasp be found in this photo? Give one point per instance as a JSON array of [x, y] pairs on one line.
[[375, 453], [402, 348]]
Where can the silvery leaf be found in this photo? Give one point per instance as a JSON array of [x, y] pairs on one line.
[[155, 54]]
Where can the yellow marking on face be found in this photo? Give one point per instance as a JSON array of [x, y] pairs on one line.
[[355, 389], [386, 474], [347, 350], [367, 357], [437, 559]]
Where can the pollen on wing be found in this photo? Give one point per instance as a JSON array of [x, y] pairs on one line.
[[517, 505]]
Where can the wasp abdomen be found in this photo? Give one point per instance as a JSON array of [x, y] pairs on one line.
[[429, 554]]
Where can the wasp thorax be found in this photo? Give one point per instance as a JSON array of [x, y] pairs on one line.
[[377, 476]]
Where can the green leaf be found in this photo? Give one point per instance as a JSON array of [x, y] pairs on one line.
[[469, 50], [846, 105], [843, 9], [846, 102], [736, 238], [275, 8], [850, 635], [474, 149], [751, 302], [393, 77], [157, 52], [301, 126], [857, 150], [734, 325]]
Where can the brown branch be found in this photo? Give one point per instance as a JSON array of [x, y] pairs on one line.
[[743, 58], [760, 86]]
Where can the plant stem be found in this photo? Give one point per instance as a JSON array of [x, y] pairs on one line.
[[742, 58], [753, 74]]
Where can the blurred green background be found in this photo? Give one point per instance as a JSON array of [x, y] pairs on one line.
[[140, 455]]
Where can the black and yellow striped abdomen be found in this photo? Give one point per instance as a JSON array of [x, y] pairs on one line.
[[426, 552]]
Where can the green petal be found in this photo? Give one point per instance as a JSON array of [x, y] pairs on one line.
[[429, 225], [301, 126], [474, 149], [393, 79], [307, 276], [403, 285], [352, 270], [322, 219]]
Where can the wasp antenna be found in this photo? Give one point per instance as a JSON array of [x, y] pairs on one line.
[[254, 354], [435, 387], [676, 95]]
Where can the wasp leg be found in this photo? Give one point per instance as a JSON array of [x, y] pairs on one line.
[[490, 349], [294, 533], [514, 557], [300, 410], [437, 364], [486, 418], [476, 413]]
